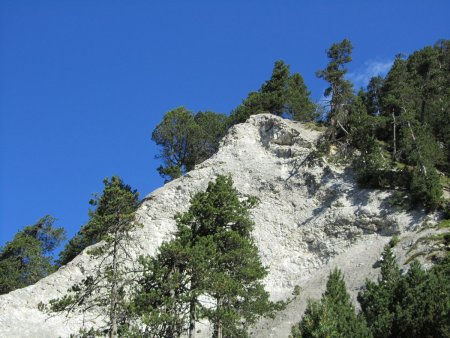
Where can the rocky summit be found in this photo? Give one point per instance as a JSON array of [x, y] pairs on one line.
[[311, 218]]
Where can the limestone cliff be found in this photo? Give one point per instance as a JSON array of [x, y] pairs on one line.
[[311, 217]]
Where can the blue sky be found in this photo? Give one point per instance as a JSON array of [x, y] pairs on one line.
[[83, 83]]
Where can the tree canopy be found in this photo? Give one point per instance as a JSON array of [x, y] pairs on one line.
[[27, 258], [283, 95], [333, 316], [415, 304], [104, 208], [211, 257], [187, 139], [112, 223]]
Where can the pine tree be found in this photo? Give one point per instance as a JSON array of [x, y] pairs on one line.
[[376, 300], [370, 165], [334, 316], [283, 95], [27, 258], [212, 257], [210, 129], [93, 232], [340, 90], [413, 305], [274, 91], [173, 134], [298, 103], [114, 219], [187, 139]]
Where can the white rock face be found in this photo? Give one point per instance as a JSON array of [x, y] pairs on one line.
[[311, 217]]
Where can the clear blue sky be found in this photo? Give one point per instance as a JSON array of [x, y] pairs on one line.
[[83, 83]]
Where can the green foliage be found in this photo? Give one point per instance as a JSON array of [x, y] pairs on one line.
[[371, 165], [340, 90], [187, 139], [425, 186], [111, 223], [173, 135], [394, 241], [445, 224], [210, 129], [376, 300], [27, 258], [283, 94], [298, 104], [333, 316], [400, 121], [211, 257], [372, 98], [100, 221], [416, 304]]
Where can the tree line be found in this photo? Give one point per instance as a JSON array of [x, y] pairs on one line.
[[394, 133]]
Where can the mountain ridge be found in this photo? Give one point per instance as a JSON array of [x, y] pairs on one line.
[[311, 216]]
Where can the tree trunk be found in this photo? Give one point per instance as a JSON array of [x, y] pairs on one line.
[[219, 325], [192, 318], [394, 153], [173, 326], [113, 303]]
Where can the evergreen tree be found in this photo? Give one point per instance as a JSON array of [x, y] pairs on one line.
[[282, 94], [173, 134], [93, 232], [274, 91], [370, 165], [373, 95], [413, 305], [113, 220], [27, 258], [376, 300], [187, 139], [212, 256], [211, 128], [340, 90], [334, 316], [298, 103]]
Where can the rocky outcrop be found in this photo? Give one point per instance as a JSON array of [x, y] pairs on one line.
[[311, 217]]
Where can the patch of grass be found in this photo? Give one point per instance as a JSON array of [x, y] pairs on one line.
[[394, 241], [413, 257], [445, 224], [445, 181], [315, 126], [438, 238]]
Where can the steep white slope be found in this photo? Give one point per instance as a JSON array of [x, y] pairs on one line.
[[311, 216]]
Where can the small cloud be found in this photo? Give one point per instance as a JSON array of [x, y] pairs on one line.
[[371, 68]]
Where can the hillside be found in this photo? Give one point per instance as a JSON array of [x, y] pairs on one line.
[[311, 217]]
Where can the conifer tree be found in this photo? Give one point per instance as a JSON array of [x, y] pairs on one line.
[[376, 301], [187, 139], [114, 219], [274, 91], [298, 103], [334, 316], [212, 256], [340, 90], [283, 94], [93, 232], [373, 96], [27, 258], [413, 305], [173, 134]]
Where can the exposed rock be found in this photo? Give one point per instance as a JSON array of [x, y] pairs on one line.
[[309, 219]]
